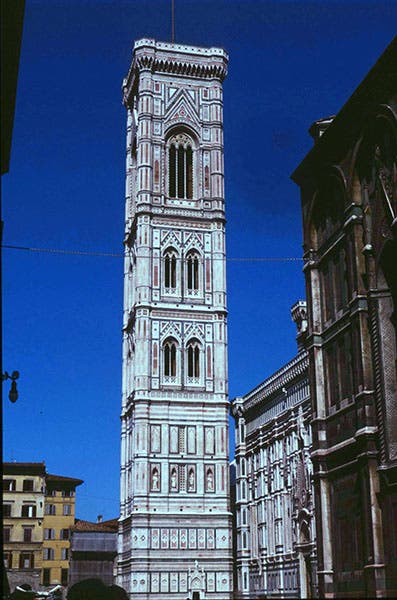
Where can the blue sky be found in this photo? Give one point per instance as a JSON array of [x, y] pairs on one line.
[[290, 64]]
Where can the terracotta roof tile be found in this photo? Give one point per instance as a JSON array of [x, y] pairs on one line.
[[110, 526]]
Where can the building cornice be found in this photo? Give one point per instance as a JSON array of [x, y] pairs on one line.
[[370, 95], [24, 468], [292, 370]]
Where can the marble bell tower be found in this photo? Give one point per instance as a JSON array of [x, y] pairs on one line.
[[175, 525]]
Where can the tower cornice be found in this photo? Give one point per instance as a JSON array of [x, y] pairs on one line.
[[199, 215], [176, 60]]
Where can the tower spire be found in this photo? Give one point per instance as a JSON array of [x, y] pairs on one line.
[[173, 21]]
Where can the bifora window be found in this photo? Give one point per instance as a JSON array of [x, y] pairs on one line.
[[169, 351], [193, 360], [180, 166], [170, 258], [192, 272]]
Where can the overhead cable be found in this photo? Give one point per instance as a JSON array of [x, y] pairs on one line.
[[119, 255]]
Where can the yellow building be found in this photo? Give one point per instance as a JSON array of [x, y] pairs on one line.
[[38, 512], [59, 515], [23, 513]]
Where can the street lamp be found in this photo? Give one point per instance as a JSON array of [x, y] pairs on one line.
[[13, 393]]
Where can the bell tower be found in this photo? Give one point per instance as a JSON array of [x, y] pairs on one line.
[[175, 524]]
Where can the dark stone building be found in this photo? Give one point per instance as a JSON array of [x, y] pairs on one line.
[[93, 551], [349, 204]]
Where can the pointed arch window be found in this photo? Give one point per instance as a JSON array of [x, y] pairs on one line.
[[192, 273], [193, 356], [180, 166], [170, 269], [170, 360]]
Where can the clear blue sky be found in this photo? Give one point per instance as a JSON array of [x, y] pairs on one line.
[[290, 64]]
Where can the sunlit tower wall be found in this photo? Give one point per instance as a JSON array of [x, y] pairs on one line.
[[175, 524]]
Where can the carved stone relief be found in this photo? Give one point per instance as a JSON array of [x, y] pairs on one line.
[[209, 446], [210, 539], [174, 439], [174, 539], [209, 478], [201, 538], [174, 582], [155, 438], [164, 582], [191, 440], [192, 539], [155, 583], [155, 478], [191, 478], [165, 542], [211, 582], [174, 487], [155, 539], [183, 582], [183, 539]]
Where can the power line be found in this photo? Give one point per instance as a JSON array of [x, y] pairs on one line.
[[60, 251], [119, 255]]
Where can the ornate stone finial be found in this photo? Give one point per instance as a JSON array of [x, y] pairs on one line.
[[237, 407], [299, 316]]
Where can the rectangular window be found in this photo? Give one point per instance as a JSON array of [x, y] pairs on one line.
[[64, 576], [9, 485], [50, 509], [64, 553], [7, 560], [27, 485], [28, 510], [64, 534], [48, 554], [6, 510], [67, 493], [27, 534], [26, 560], [49, 534], [6, 534], [67, 510], [46, 576]]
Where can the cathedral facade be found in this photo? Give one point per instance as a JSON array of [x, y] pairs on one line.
[[275, 553], [175, 524]]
